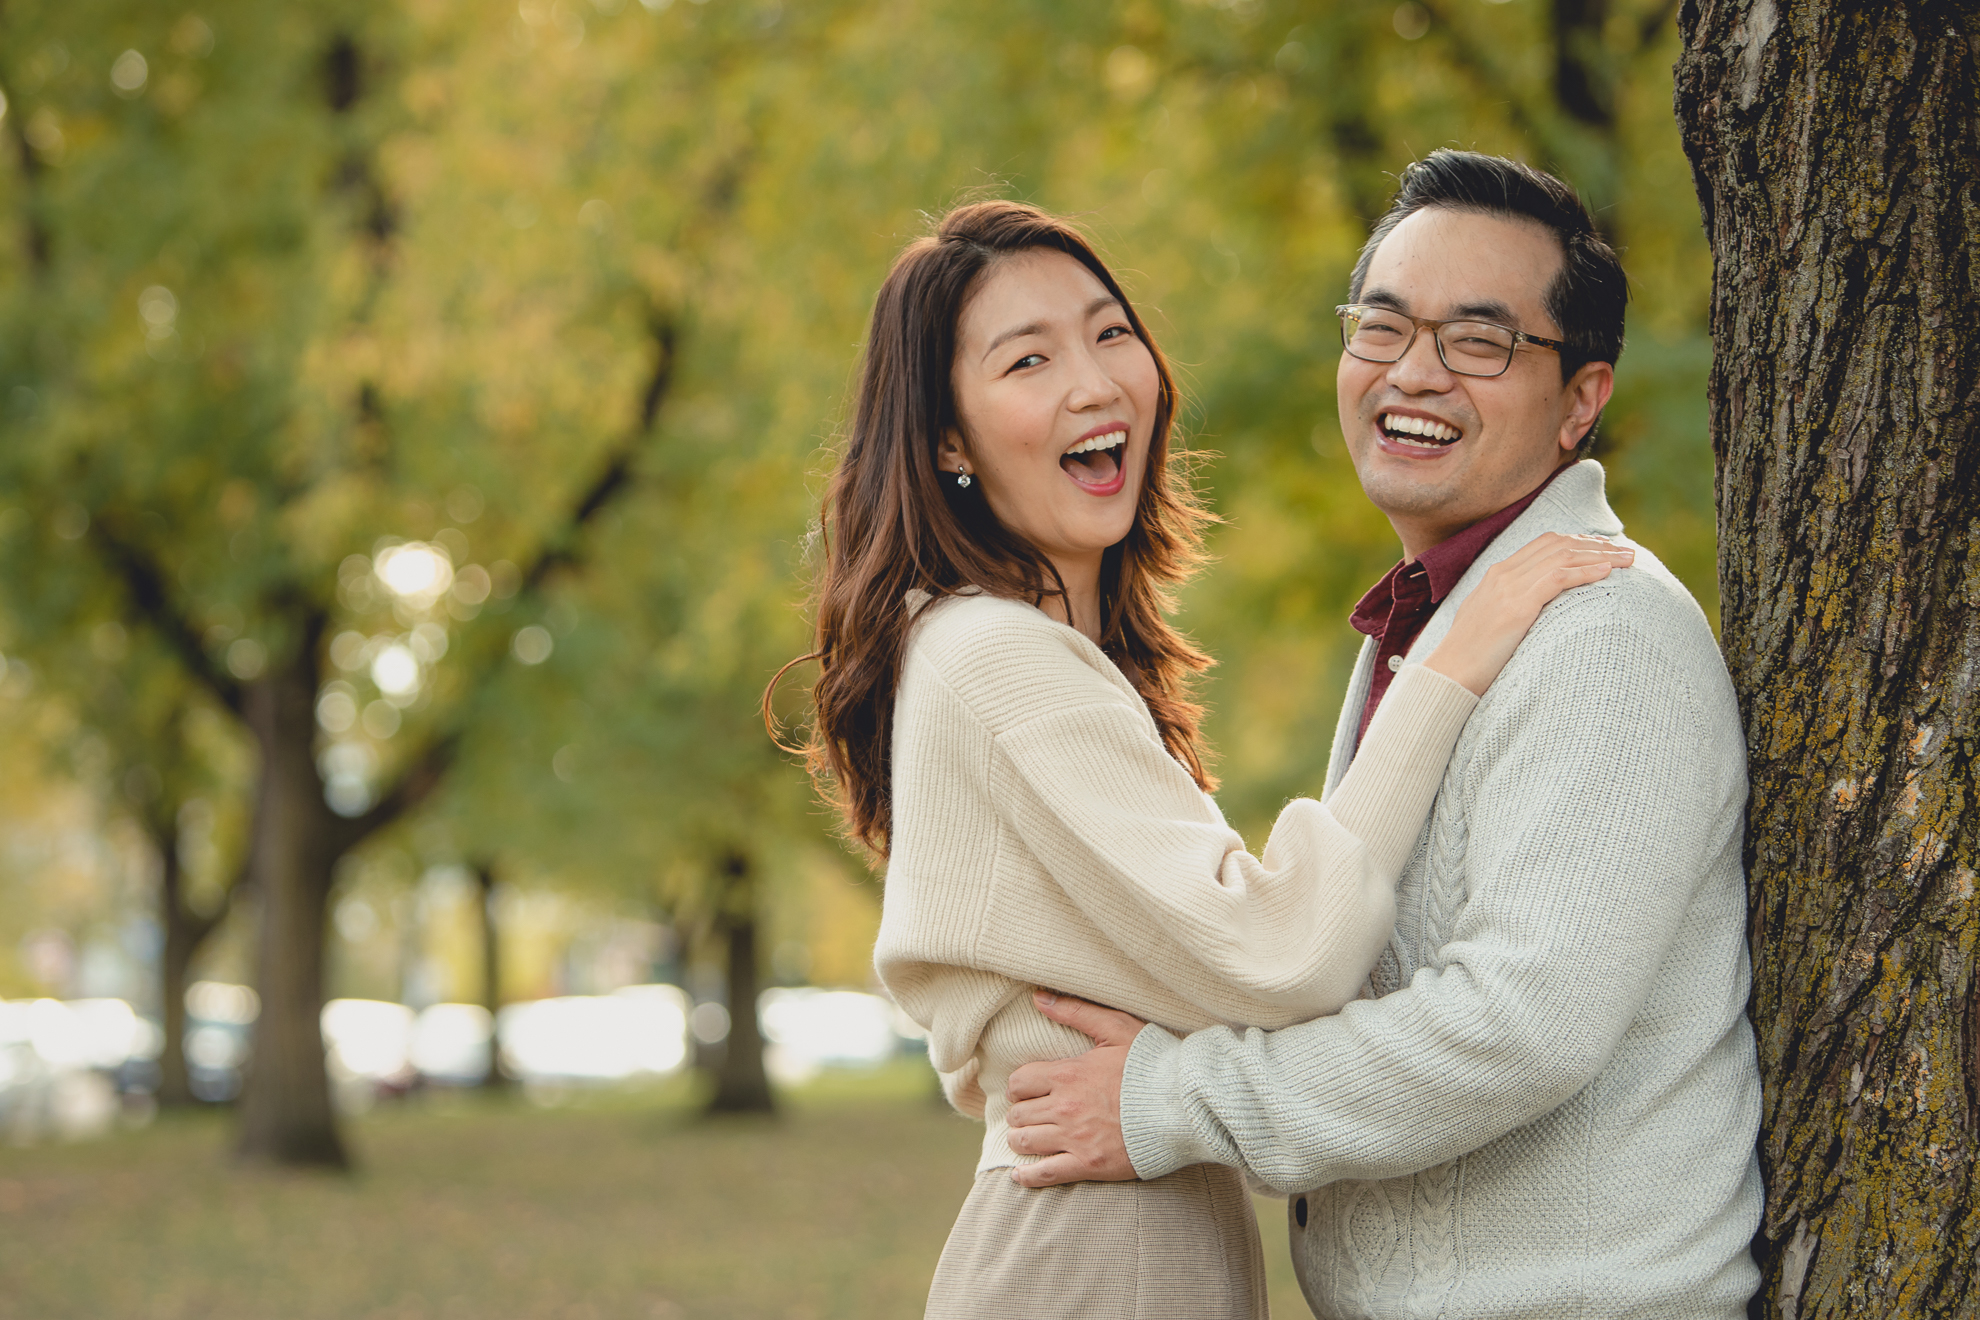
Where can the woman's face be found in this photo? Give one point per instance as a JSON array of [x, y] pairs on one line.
[[1057, 400]]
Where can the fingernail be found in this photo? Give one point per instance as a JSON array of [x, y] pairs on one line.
[[1044, 998]]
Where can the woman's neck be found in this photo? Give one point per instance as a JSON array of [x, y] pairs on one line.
[[1081, 575]]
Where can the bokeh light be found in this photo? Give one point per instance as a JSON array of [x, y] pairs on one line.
[[417, 572]]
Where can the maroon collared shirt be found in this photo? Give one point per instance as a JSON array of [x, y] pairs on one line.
[[1396, 608]]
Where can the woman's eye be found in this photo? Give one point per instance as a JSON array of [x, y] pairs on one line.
[[1028, 360], [1115, 332]]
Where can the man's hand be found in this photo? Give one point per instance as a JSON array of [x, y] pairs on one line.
[[1069, 1110]]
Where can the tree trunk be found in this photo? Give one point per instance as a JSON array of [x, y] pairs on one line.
[[491, 972], [184, 932], [741, 1085], [286, 1114], [1834, 148]]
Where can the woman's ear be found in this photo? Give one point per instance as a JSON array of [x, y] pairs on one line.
[[949, 452]]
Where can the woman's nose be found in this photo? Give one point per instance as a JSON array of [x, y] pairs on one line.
[[1092, 387]]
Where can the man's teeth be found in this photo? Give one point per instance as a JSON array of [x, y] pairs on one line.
[[1404, 427], [1107, 441]]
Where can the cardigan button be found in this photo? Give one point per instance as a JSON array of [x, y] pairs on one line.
[[1395, 664], [1299, 1211]]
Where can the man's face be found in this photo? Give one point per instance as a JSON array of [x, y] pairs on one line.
[[1474, 444]]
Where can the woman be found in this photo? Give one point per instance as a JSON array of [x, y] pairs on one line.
[[1004, 714]]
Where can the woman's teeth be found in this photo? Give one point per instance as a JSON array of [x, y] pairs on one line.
[[1419, 431], [1095, 462], [1107, 441]]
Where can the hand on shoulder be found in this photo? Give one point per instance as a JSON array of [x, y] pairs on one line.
[[1495, 618]]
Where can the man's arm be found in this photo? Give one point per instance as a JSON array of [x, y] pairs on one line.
[[1597, 801]]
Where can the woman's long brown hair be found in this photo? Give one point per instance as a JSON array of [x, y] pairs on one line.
[[892, 522]]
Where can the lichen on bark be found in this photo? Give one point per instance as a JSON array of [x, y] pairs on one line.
[[1834, 149]]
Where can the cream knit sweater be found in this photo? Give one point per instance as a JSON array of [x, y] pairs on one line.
[[1044, 837], [1547, 1107]]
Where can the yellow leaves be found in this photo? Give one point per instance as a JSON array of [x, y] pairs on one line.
[[237, 502]]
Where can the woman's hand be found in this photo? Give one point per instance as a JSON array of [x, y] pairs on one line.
[[1494, 618]]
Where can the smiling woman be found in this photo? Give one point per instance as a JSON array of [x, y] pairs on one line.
[[999, 345], [1056, 399]]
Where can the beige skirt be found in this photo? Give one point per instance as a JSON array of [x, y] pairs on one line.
[[1180, 1247]]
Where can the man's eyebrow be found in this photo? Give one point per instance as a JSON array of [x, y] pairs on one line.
[[1489, 309], [1483, 309]]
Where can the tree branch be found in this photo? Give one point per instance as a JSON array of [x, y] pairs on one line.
[[428, 768], [40, 247], [561, 550], [145, 583], [1653, 23], [1476, 58], [415, 784]]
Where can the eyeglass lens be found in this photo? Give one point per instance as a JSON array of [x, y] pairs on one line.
[[1470, 348]]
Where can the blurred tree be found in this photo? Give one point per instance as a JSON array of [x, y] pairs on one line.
[[218, 464], [1834, 149], [177, 775]]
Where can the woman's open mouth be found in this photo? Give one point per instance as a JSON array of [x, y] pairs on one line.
[[1094, 463]]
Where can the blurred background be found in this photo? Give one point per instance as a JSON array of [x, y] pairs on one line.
[[412, 419]]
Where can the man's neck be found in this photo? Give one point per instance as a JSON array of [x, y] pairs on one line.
[[1427, 533]]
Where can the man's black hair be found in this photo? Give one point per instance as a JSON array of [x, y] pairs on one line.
[[1586, 299]]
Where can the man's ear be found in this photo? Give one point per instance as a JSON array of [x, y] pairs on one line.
[[949, 451], [1586, 394]]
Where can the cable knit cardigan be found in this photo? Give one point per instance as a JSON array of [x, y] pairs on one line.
[[1548, 1108], [1043, 836]]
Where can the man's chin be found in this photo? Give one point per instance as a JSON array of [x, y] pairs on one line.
[[1406, 493]]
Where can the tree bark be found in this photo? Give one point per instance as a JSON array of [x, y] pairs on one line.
[[286, 1113], [1834, 148], [741, 1085]]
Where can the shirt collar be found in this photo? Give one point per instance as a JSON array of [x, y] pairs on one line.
[[1444, 563]]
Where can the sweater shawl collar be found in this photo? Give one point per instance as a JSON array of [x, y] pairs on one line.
[[1574, 502]]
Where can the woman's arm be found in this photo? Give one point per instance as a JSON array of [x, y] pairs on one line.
[[1383, 798], [1124, 832]]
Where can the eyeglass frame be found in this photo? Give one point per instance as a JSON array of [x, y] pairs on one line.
[[1421, 323]]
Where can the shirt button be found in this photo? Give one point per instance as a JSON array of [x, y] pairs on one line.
[[1395, 664]]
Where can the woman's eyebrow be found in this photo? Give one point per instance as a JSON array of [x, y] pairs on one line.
[[1039, 327], [1016, 332]]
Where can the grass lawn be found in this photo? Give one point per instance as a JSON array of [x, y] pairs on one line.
[[623, 1206]]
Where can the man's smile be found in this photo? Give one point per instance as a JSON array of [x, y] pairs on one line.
[[1410, 433]]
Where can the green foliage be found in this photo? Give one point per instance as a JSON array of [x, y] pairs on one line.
[[431, 267]]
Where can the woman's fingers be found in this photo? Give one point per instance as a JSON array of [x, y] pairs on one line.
[[1491, 623]]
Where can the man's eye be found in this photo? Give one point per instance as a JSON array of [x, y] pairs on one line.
[[1028, 360]]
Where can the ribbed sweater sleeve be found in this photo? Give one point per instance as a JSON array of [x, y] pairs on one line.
[[1590, 802], [1119, 826]]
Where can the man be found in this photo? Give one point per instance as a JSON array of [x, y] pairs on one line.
[[1546, 1105]]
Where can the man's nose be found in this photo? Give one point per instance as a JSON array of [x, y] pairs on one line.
[[1421, 370]]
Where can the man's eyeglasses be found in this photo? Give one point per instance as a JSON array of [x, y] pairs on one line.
[[1469, 348]]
